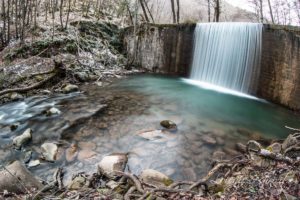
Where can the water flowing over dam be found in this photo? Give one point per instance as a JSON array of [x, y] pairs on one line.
[[228, 55]]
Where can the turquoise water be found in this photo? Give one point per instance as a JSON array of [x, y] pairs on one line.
[[125, 117], [223, 109]]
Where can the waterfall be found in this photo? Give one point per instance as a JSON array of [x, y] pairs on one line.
[[227, 55]]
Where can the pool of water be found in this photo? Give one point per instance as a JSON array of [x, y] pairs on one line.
[[125, 117]]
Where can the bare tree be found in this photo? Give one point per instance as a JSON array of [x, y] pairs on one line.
[[271, 11]]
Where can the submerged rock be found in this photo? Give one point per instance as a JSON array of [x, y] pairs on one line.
[[49, 151], [71, 153], [168, 124], [70, 88], [85, 154], [15, 174], [111, 163], [208, 140], [155, 178], [20, 140], [52, 111]]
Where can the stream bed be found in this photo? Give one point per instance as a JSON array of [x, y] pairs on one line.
[[125, 116]]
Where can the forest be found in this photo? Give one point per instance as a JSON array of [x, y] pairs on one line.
[[149, 99]]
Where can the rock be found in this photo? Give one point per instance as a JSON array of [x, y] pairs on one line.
[[70, 88], [151, 135], [155, 178], [85, 154], [46, 92], [34, 163], [208, 140], [71, 153], [275, 147], [16, 96], [21, 174], [49, 151], [14, 127], [77, 183], [111, 163], [168, 124], [27, 156], [52, 111], [20, 140], [112, 184], [82, 76]]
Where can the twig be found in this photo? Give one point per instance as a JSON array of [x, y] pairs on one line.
[[137, 183], [128, 193], [293, 129]]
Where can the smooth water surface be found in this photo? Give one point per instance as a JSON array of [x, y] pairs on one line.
[[125, 117]]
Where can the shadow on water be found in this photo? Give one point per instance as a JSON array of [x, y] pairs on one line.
[[125, 117]]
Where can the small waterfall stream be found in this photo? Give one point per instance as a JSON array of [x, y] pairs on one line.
[[228, 55]]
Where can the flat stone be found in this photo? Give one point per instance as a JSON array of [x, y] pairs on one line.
[[20, 140], [49, 151], [155, 178], [21, 174], [111, 163]]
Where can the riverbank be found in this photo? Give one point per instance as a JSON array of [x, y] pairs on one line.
[[259, 172]]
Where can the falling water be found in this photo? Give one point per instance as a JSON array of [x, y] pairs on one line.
[[228, 55]]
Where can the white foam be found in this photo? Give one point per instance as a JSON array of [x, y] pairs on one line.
[[209, 86]]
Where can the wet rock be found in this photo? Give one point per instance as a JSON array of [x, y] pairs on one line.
[[168, 124], [27, 156], [16, 96], [49, 151], [155, 178], [98, 83], [111, 163], [46, 92], [52, 111], [275, 147], [208, 140], [71, 153], [85, 154], [21, 174], [20, 140], [14, 127], [34, 163], [70, 88], [151, 134]]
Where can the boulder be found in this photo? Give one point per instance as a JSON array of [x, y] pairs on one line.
[[111, 163], [168, 124], [49, 151], [15, 178], [20, 140], [70, 88], [155, 178]]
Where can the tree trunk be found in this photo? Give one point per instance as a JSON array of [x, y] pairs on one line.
[[178, 11], [144, 10], [271, 11], [173, 11]]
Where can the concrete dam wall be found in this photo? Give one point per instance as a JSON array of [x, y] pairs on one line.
[[169, 49]]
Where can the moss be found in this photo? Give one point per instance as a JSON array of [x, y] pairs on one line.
[[167, 182]]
